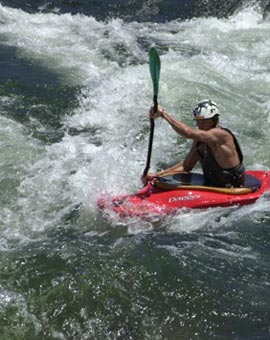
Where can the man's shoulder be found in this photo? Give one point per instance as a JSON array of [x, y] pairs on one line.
[[222, 133], [220, 130]]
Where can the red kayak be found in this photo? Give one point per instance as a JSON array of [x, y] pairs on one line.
[[166, 195]]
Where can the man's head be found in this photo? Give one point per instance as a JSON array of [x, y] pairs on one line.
[[206, 114]]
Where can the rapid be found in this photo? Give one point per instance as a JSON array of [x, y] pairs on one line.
[[74, 100]]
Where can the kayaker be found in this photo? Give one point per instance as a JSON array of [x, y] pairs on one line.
[[215, 147]]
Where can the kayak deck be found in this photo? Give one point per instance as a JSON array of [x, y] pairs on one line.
[[196, 181], [186, 191]]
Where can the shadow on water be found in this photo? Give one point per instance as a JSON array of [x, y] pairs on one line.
[[139, 10], [34, 96]]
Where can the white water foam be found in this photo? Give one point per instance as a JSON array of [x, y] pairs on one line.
[[227, 62]]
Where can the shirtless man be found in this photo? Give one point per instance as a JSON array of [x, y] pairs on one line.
[[216, 148]]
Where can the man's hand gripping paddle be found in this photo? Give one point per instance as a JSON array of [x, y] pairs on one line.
[[154, 63]]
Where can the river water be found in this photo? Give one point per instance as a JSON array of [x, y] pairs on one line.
[[75, 91]]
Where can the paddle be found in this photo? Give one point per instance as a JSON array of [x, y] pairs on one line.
[[154, 63]]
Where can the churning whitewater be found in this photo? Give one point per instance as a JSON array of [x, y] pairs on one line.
[[104, 142]]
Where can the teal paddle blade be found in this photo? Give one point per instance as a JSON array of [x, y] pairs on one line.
[[154, 63]]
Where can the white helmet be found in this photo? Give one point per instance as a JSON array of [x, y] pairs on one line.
[[206, 109]]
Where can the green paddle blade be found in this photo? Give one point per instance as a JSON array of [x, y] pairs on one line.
[[154, 63]]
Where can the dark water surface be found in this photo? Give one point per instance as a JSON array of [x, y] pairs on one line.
[[138, 10]]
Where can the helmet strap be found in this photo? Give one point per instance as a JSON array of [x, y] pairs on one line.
[[215, 120]]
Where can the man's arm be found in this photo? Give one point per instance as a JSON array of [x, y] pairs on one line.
[[191, 158], [188, 132], [210, 136], [183, 166], [175, 169]]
